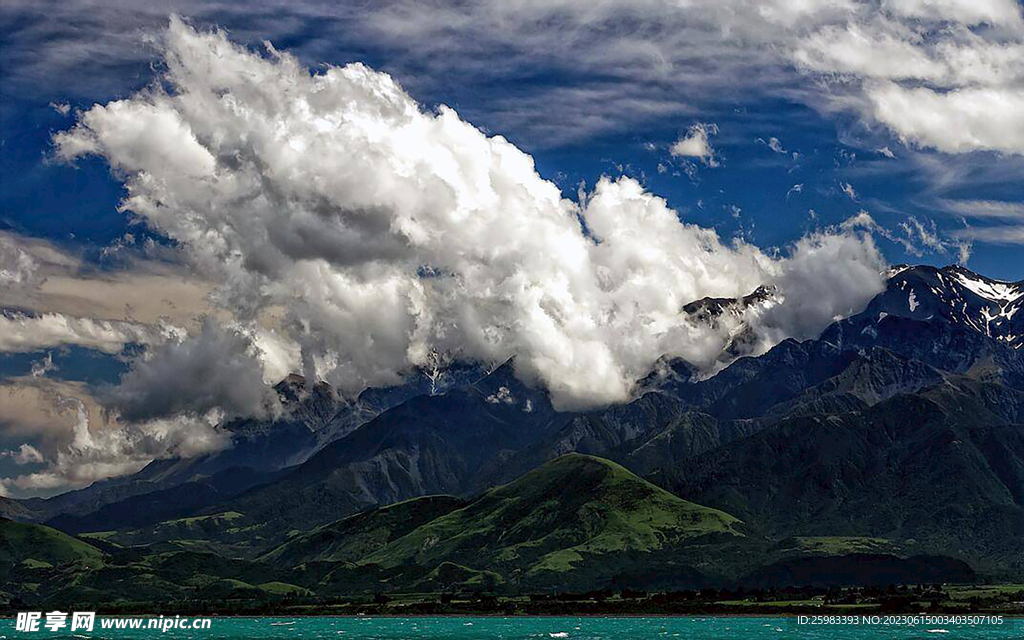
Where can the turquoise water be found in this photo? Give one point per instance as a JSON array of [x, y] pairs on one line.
[[693, 628]]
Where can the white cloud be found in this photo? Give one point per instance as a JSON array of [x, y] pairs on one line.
[[53, 296], [971, 12], [24, 454], [626, 63], [828, 277], [945, 45], [774, 144], [866, 52], [861, 220], [21, 332], [43, 367], [96, 455], [78, 443], [927, 236], [62, 108], [957, 121], [984, 209], [914, 236], [386, 233], [999, 234], [17, 266], [695, 144]]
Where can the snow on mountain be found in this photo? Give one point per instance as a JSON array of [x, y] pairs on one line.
[[958, 295], [990, 289]]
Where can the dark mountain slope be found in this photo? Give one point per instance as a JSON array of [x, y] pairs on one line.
[[692, 434], [428, 445], [685, 418], [870, 378], [312, 416], [164, 504], [909, 468], [20, 510]]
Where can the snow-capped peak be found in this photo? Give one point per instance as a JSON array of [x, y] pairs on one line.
[[955, 294]]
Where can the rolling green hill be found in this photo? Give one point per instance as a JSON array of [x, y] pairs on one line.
[[226, 533], [38, 546], [576, 515]]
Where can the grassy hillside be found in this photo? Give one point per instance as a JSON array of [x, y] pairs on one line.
[[227, 533], [38, 546], [574, 512], [354, 538]]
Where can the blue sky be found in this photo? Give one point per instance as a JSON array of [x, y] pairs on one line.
[[572, 141], [331, 222]]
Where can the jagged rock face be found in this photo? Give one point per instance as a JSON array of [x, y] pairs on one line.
[[951, 301], [726, 315], [709, 308]]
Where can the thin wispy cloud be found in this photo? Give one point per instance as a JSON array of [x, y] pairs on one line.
[[990, 209], [774, 144], [1005, 234], [908, 67]]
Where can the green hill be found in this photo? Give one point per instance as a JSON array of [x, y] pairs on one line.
[[355, 537], [37, 546], [574, 514], [227, 533]]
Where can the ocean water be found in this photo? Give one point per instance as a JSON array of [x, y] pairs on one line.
[[480, 628]]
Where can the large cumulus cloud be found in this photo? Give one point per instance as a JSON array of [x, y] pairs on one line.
[[385, 233], [215, 370]]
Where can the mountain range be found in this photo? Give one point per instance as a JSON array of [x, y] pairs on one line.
[[893, 444]]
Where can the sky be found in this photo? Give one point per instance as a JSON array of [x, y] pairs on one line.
[[196, 199]]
